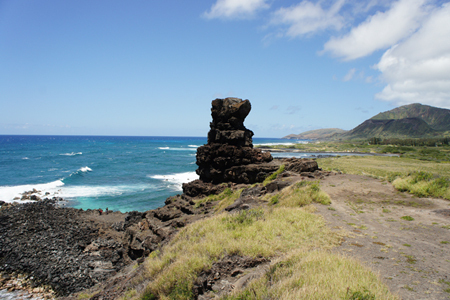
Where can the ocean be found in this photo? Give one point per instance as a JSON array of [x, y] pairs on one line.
[[92, 172]]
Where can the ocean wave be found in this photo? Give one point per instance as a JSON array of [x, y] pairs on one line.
[[86, 191], [72, 153], [176, 180], [9, 193], [25, 158], [193, 146], [59, 189], [85, 169], [179, 149]]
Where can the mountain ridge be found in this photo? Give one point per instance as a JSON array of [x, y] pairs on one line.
[[408, 121]]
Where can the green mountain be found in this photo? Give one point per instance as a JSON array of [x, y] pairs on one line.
[[400, 128], [408, 121], [317, 134], [436, 118]]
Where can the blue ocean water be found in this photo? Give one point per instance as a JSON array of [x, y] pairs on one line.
[[91, 172]]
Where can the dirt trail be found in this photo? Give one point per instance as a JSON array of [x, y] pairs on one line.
[[412, 257]]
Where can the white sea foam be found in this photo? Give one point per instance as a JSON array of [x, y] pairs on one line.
[[179, 149], [86, 191], [8, 193], [85, 169], [193, 146], [176, 181], [72, 153], [25, 158]]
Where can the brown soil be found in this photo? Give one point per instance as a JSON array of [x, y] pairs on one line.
[[411, 257]]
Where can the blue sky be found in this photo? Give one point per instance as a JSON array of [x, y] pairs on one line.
[[153, 67]]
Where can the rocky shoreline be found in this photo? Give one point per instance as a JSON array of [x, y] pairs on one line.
[[66, 250]]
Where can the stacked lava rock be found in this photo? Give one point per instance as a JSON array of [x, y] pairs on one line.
[[229, 155]]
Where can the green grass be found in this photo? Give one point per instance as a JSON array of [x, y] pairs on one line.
[[274, 175], [407, 218], [423, 184]]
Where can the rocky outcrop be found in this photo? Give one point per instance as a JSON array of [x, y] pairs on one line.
[[229, 155]]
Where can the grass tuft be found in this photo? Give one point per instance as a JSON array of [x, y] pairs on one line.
[[423, 184], [224, 199], [301, 194], [274, 175], [315, 275]]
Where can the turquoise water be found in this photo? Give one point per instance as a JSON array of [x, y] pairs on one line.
[[121, 173]]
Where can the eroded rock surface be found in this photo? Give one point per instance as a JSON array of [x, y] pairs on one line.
[[229, 155]]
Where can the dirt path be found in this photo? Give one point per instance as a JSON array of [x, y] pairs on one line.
[[411, 256]]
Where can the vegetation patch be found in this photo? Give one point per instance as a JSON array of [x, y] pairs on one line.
[[301, 194], [274, 175], [407, 218], [431, 181], [253, 233], [315, 275], [224, 199], [423, 184]]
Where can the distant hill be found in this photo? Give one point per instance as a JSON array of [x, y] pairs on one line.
[[401, 128], [408, 121], [317, 134], [436, 118]]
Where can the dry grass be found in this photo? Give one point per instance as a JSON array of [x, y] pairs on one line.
[[301, 194], [267, 233], [421, 178], [224, 199], [383, 167], [315, 275]]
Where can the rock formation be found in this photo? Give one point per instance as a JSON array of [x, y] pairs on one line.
[[229, 155]]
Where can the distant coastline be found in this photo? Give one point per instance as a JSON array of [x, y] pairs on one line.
[[279, 150]]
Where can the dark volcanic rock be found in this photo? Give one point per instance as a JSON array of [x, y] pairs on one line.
[[229, 155], [55, 246], [201, 188], [300, 165]]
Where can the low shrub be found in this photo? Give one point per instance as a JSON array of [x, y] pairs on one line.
[[423, 184]]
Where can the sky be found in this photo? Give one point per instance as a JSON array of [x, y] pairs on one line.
[[152, 68]]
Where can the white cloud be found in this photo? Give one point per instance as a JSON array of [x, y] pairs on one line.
[[308, 18], [349, 75], [235, 8], [379, 31], [418, 69]]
